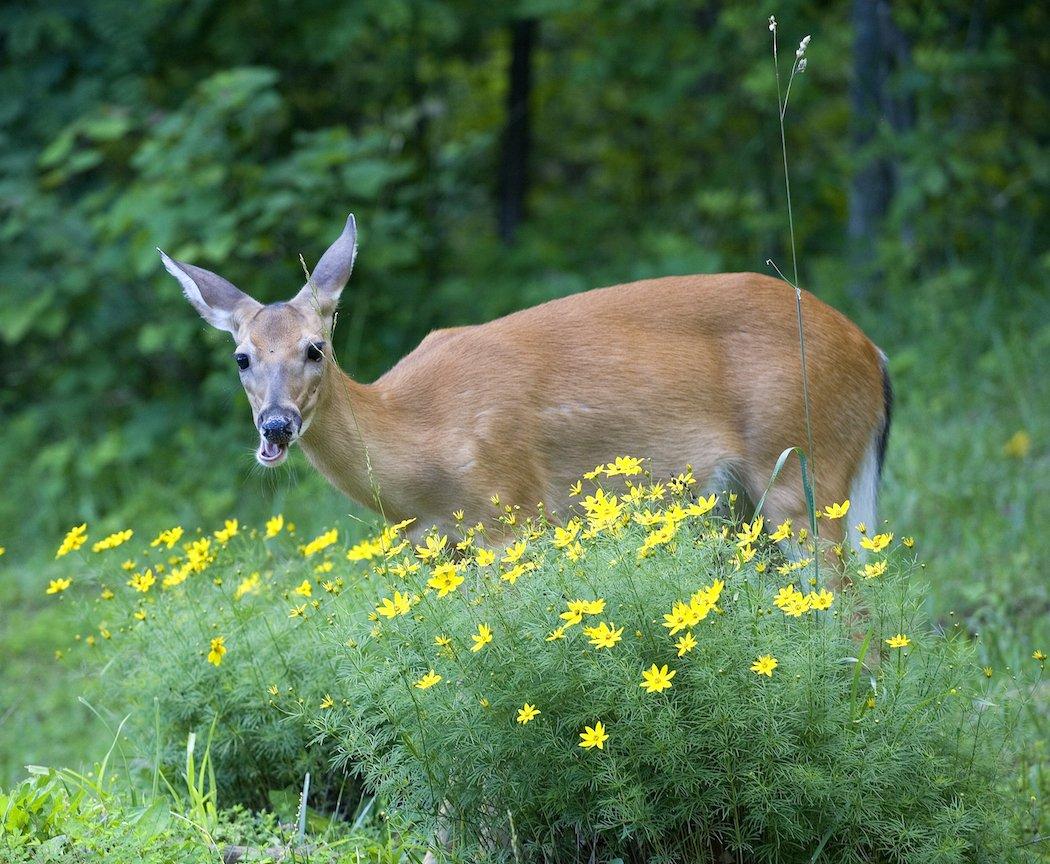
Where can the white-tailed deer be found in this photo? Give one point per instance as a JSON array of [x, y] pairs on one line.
[[684, 370]]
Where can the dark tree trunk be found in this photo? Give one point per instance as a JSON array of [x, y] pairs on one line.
[[879, 49], [513, 181]]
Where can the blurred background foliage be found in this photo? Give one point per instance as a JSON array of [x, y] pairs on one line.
[[497, 155]]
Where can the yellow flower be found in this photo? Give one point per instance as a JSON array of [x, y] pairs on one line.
[[681, 617], [1038, 656], [908, 542], [272, 690], [564, 536], [593, 607], [656, 679], [484, 557], [297, 611], [249, 585], [594, 736], [481, 638], [987, 670], [794, 566], [230, 529], [74, 539], [626, 466], [791, 601], [513, 553], [750, 533], [685, 643], [129, 565], [168, 538], [445, 579], [140, 615], [112, 541], [765, 665], [873, 570], [604, 635], [783, 531], [837, 511], [1018, 445], [527, 712], [218, 650], [399, 605], [556, 634], [143, 581], [366, 550], [107, 594], [576, 488], [876, 543], [574, 552], [683, 481], [199, 555], [898, 641], [434, 547], [428, 680], [321, 541], [442, 641], [517, 571], [305, 589], [57, 586], [702, 507], [327, 702], [274, 526], [324, 567], [603, 512], [3, 549], [820, 600], [458, 515]]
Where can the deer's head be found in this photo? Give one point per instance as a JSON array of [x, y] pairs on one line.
[[281, 348]]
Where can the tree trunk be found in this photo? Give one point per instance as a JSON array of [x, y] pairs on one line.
[[513, 167], [879, 49]]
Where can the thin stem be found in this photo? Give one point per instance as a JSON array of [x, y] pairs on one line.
[[782, 110]]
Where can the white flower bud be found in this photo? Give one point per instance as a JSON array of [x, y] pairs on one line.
[[772, 24], [802, 65], [802, 47]]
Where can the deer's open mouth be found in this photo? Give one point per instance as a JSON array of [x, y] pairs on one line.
[[269, 454]]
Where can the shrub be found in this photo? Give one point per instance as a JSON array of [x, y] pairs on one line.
[[196, 637], [654, 682], [736, 701]]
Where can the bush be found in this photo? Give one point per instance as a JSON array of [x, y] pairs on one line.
[[196, 637], [461, 684], [726, 714]]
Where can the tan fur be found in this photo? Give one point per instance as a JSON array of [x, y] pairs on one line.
[[698, 370], [687, 370]]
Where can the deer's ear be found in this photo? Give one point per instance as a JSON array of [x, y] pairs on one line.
[[326, 283], [219, 302]]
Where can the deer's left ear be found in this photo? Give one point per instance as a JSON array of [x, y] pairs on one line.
[[331, 274], [218, 301]]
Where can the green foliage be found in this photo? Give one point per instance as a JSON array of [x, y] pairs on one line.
[[816, 760], [49, 817]]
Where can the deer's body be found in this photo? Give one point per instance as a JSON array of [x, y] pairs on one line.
[[687, 370], [691, 370]]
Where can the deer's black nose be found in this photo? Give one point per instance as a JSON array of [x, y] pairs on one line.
[[277, 429]]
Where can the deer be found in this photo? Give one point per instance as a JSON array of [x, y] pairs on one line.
[[697, 370]]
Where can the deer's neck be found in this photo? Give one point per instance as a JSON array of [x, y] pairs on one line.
[[346, 438]]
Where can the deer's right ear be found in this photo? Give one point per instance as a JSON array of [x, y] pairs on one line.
[[219, 302]]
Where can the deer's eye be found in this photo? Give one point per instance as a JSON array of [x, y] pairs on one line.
[[314, 351], [242, 360]]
